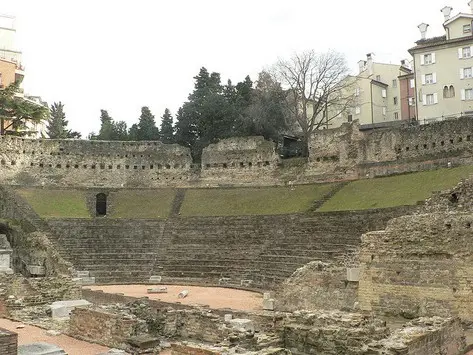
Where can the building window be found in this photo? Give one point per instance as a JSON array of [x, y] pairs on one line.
[[378, 77], [430, 99], [466, 52], [394, 83], [467, 94], [467, 28], [350, 118], [412, 83], [396, 115], [411, 101], [384, 110], [428, 58], [395, 100], [451, 91], [428, 79], [383, 93], [357, 92], [445, 92], [357, 110], [466, 73]]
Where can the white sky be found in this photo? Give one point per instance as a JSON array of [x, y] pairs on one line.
[[120, 55]]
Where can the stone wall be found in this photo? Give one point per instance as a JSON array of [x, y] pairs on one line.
[[212, 250], [8, 342], [420, 265], [300, 332], [348, 153], [318, 285], [336, 154], [244, 159], [103, 327], [93, 163]]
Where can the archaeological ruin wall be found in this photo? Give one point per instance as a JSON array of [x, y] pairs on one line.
[[251, 160], [335, 154], [422, 264], [348, 153]]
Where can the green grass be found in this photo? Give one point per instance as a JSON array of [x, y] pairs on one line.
[[151, 204], [251, 201], [394, 191], [56, 203]]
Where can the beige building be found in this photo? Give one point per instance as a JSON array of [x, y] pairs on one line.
[[377, 95], [443, 69]]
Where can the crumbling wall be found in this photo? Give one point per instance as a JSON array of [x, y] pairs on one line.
[[241, 159], [420, 265], [423, 336], [347, 153], [92, 163], [318, 285]]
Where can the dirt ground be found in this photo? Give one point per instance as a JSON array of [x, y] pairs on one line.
[[31, 334], [214, 297]]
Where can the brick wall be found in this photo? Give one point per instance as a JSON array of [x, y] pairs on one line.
[[420, 265], [8, 342]]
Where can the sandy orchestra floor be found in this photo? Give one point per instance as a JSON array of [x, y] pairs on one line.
[[214, 297]]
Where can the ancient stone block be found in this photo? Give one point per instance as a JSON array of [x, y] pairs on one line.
[[183, 294], [143, 342], [353, 274], [82, 273], [268, 304], [36, 270], [155, 279], [157, 290], [40, 348], [62, 309], [223, 280], [244, 325], [246, 283], [227, 317]]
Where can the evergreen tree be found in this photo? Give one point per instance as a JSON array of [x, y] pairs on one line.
[[57, 121], [146, 129], [167, 130], [106, 128], [15, 112]]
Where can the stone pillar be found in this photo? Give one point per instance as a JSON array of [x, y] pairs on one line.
[[5, 255]]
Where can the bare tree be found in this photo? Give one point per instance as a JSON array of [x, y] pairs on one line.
[[320, 89]]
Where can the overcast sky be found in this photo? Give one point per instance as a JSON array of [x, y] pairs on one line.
[[120, 55]]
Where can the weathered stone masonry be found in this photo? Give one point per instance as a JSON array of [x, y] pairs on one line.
[[337, 154]]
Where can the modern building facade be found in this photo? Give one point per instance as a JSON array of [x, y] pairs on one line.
[[377, 93], [444, 69]]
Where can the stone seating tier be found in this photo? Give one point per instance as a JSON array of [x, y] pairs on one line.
[[265, 249]]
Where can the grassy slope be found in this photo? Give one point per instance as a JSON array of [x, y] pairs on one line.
[[142, 203], [251, 201], [394, 190], [56, 203]]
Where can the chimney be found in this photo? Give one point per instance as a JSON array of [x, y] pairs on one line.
[[361, 66], [369, 63], [471, 6], [423, 29], [446, 11]]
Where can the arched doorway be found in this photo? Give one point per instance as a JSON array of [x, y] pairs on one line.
[[101, 205]]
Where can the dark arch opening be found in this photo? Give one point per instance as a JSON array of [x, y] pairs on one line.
[[101, 205]]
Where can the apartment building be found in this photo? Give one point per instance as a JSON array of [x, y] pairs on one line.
[[443, 68], [377, 93]]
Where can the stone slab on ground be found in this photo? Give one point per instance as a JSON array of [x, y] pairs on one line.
[[62, 309], [157, 290], [83, 273], [143, 342], [40, 348]]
